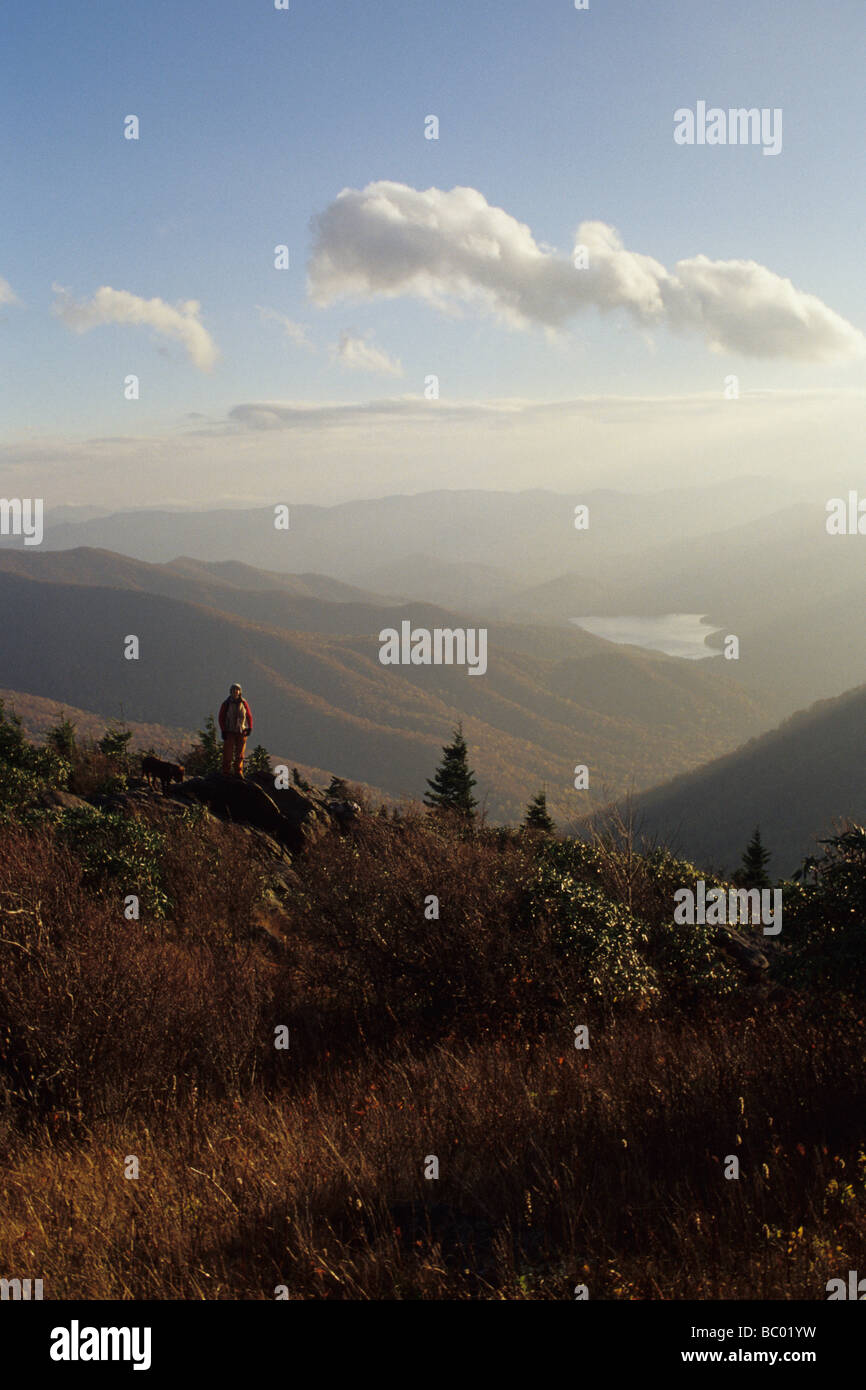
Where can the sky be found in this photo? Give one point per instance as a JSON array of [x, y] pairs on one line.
[[715, 327]]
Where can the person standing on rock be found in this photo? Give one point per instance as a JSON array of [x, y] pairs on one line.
[[236, 725]]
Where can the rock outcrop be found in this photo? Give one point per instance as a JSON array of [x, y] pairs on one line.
[[290, 816]]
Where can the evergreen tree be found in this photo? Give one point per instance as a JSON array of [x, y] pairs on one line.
[[338, 788], [537, 817], [12, 741], [206, 755], [61, 737], [753, 869], [115, 743], [259, 760], [452, 783]]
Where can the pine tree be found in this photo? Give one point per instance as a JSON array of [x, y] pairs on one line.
[[115, 743], [12, 740], [452, 783], [537, 816], [753, 869], [206, 755], [61, 736], [259, 760]]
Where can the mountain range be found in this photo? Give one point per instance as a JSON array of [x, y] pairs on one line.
[[796, 783], [758, 565], [306, 650], [295, 616]]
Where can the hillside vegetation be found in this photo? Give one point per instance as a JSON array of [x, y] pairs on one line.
[[795, 782], [550, 698], [410, 1036]]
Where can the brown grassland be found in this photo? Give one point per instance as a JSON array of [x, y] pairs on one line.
[[408, 1037]]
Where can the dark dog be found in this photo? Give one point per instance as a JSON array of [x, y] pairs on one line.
[[154, 770]]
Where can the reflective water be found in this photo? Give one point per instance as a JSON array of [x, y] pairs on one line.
[[675, 634]]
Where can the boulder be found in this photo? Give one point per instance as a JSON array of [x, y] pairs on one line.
[[307, 811], [742, 950], [66, 801], [294, 803], [271, 849], [292, 816], [344, 812], [245, 802]]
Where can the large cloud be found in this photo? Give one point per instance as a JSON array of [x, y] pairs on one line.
[[180, 322], [389, 240], [744, 307], [7, 294]]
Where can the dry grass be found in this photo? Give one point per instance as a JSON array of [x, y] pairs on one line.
[[409, 1037]]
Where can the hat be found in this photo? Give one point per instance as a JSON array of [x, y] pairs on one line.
[[234, 686]]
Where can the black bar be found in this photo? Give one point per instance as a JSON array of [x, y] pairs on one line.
[[229, 1341]]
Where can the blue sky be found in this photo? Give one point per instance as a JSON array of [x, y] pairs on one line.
[[253, 120]]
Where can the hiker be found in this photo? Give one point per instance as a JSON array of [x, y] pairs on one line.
[[236, 725]]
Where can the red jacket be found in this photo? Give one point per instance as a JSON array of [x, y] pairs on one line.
[[222, 716]]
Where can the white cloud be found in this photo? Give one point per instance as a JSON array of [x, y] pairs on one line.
[[296, 332], [180, 322], [323, 415], [362, 356], [743, 307], [451, 248], [512, 413], [328, 452], [7, 294]]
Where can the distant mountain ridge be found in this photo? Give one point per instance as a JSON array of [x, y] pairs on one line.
[[39, 713], [551, 698], [530, 534], [760, 566], [794, 782]]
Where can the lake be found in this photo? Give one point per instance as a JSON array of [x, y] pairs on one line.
[[675, 634]]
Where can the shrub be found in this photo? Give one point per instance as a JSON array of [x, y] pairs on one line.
[[118, 855], [597, 937], [359, 917], [100, 1015], [825, 917], [25, 770]]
